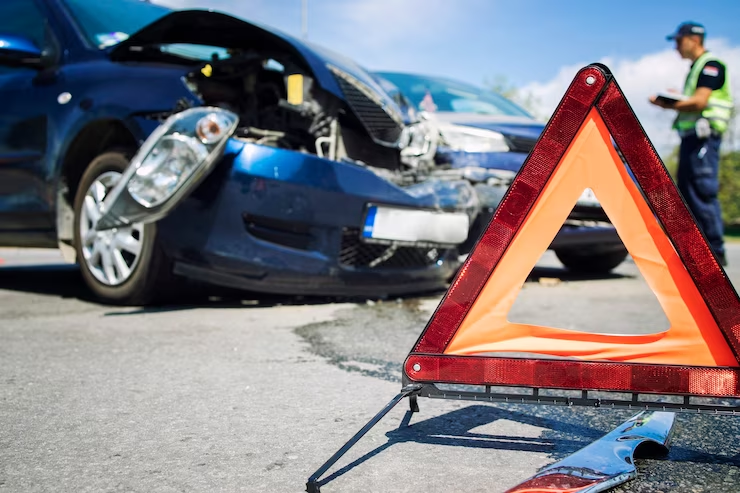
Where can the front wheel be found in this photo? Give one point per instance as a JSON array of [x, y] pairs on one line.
[[591, 263], [120, 265]]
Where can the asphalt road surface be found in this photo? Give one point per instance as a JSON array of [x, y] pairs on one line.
[[254, 393]]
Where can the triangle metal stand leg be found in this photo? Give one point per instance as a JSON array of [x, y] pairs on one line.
[[314, 484]]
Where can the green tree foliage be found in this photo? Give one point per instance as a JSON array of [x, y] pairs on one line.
[[729, 187], [729, 182], [671, 162]]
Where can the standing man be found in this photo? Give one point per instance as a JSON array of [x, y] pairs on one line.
[[704, 113]]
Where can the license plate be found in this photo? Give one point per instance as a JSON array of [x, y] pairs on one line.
[[588, 198], [410, 225]]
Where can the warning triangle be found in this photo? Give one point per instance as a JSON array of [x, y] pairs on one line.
[[468, 333]]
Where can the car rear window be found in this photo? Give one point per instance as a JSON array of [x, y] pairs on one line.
[[441, 94]]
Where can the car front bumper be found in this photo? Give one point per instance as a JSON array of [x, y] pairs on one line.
[[279, 221]]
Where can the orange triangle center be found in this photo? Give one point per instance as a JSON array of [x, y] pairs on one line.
[[592, 162]]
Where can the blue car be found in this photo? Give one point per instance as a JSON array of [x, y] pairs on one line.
[[482, 130], [151, 145]]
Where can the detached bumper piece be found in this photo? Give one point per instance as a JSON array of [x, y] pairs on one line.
[[607, 462]]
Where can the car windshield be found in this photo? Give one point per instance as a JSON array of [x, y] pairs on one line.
[[107, 23], [440, 94]]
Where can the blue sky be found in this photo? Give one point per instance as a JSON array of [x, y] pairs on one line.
[[536, 44], [525, 40]]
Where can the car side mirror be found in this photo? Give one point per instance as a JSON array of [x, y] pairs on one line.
[[19, 51]]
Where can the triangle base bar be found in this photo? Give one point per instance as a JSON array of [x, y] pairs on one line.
[[574, 375], [585, 398]]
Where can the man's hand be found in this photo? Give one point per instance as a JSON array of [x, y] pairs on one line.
[[661, 102], [697, 102]]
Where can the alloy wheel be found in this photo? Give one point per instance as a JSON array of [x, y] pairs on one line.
[[110, 255]]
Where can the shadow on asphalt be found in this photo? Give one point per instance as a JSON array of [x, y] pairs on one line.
[[564, 434], [539, 273], [65, 281], [454, 429], [60, 280]]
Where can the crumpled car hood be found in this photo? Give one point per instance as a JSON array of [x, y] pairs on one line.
[[206, 27]]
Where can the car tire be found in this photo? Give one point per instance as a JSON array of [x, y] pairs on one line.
[[122, 266], [591, 263]]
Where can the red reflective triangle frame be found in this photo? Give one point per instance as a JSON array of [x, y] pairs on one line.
[[593, 89]]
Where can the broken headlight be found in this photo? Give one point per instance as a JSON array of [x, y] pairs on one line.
[[173, 160], [418, 144]]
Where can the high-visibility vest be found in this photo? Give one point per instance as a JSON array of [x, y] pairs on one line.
[[719, 107]]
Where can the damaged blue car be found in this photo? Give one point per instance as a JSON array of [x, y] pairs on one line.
[[150, 145]]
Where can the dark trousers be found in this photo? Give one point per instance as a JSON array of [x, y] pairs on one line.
[[698, 181]]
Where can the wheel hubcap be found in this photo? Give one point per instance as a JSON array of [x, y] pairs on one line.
[[110, 255]]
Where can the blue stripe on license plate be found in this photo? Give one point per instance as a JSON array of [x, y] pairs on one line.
[[367, 230]]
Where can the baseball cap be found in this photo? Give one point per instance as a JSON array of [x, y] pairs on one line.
[[687, 29]]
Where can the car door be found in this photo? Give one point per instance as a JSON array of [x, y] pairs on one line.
[[26, 97]]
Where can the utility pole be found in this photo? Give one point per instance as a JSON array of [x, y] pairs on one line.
[[304, 18]]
